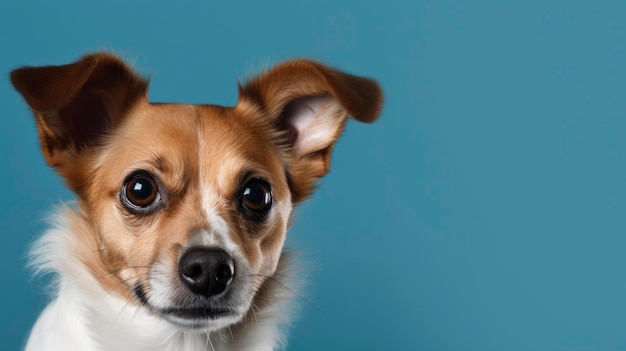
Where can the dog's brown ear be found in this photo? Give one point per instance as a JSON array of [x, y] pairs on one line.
[[76, 104], [309, 103]]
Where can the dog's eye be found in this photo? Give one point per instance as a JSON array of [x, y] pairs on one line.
[[141, 190], [256, 198]]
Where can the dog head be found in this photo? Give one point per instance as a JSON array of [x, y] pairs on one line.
[[187, 206]]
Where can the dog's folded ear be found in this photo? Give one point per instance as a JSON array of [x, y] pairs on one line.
[[309, 104], [77, 104]]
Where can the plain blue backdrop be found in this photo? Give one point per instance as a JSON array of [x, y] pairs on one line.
[[486, 210]]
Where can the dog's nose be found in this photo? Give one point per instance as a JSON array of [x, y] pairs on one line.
[[206, 272]]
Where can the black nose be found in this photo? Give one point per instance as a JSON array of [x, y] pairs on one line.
[[206, 271]]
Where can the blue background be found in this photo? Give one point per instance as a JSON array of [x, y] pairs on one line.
[[484, 211]]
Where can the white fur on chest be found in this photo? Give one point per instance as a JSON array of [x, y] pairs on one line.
[[84, 317]]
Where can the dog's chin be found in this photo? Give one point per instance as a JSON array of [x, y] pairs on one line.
[[199, 320], [200, 316]]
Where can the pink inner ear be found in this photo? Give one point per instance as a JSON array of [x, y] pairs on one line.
[[312, 122], [304, 111], [297, 114]]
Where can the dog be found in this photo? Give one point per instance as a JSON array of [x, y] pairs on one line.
[[175, 240]]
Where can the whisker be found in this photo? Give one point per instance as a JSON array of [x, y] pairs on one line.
[[287, 276], [139, 306], [208, 339], [254, 309], [120, 313], [122, 281], [121, 270], [281, 284]]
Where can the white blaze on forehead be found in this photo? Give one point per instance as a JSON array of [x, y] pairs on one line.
[[216, 228], [216, 232]]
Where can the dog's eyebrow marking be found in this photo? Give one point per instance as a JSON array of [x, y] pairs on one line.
[[160, 164], [174, 176]]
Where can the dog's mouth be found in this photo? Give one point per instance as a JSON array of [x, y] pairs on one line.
[[196, 314]]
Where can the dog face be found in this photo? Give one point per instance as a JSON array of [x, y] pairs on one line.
[[193, 227], [188, 205]]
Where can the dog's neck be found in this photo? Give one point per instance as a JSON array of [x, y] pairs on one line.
[[85, 315]]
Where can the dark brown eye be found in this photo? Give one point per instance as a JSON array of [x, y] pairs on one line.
[[256, 198], [141, 190]]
